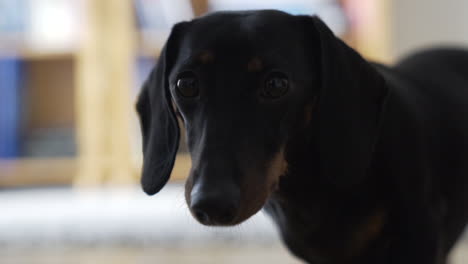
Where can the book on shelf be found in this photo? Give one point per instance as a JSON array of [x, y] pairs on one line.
[[10, 107]]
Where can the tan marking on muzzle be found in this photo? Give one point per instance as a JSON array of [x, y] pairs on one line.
[[308, 113], [176, 111], [367, 231], [257, 189], [309, 108], [278, 167], [206, 57], [255, 65]]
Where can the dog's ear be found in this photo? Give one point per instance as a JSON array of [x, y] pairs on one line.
[[350, 106], [159, 126]]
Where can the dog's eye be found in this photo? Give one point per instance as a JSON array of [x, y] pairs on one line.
[[276, 85], [187, 86]]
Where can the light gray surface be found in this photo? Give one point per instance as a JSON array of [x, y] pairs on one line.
[[114, 215], [212, 255], [125, 226], [422, 23]]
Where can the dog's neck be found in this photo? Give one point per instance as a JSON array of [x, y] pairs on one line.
[[319, 224]]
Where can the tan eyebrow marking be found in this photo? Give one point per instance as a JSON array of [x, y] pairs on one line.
[[367, 231], [308, 113], [255, 65], [206, 57], [309, 108]]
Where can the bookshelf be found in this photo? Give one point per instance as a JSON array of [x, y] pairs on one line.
[[38, 55], [97, 83], [99, 74]]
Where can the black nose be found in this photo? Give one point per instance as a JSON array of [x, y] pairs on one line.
[[213, 208]]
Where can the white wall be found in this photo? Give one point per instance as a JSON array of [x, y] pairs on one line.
[[422, 23]]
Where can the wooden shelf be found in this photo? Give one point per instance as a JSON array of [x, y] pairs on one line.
[[61, 171], [150, 42], [36, 172], [144, 49], [31, 54], [179, 173], [47, 55]]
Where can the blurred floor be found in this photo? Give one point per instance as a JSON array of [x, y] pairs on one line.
[[158, 255], [124, 226], [204, 255], [460, 253], [115, 216]]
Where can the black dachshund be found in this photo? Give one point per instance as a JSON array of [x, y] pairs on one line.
[[355, 162]]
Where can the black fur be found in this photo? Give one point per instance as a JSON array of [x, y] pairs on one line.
[[378, 175]]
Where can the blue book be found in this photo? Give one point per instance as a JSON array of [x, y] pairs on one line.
[[10, 85]]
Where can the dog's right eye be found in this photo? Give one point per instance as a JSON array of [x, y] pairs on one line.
[[187, 85], [276, 85]]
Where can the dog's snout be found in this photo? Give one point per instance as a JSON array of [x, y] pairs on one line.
[[214, 208]]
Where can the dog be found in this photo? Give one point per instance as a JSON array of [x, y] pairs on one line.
[[356, 162]]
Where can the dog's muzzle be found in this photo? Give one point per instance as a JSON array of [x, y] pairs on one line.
[[215, 206]]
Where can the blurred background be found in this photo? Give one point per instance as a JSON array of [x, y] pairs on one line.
[[70, 146]]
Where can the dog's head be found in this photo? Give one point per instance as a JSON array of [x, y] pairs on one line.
[[244, 84]]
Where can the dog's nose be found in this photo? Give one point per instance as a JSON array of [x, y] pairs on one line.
[[215, 208]]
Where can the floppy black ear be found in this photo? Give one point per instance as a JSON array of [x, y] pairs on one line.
[[159, 126], [352, 95]]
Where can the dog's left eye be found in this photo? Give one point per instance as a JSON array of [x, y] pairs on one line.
[[187, 86], [276, 85]]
